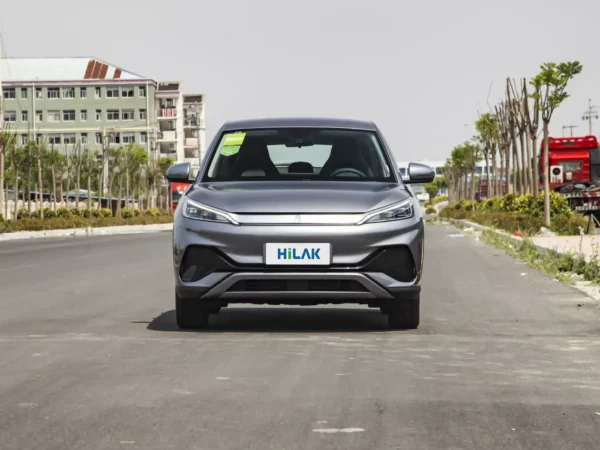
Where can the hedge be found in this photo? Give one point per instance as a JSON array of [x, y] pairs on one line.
[[65, 218], [522, 213]]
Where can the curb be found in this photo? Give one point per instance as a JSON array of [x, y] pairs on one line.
[[539, 248], [89, 231]]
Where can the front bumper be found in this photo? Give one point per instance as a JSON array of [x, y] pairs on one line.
[[219, 268]]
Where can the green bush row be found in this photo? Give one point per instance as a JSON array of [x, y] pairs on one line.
[[61, 223], [521, 204], [522, 213], [67, 213]]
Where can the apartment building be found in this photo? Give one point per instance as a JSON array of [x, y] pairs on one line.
[[69, 101]]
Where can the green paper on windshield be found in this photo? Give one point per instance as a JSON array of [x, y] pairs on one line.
[[232, 143]]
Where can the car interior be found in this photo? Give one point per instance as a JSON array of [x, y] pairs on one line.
[[299, 154]]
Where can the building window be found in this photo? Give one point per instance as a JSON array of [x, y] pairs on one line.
[[53, 92], [112, 92], [128, 114], [69, 139], [39, 116], [83, 115], [24, 116], [23, 92], [99, 138], [38, 92], [142, 91], [98, 92], [69, 115], [114, 138], [53, 116], [129, 138], [10, 116], [98, 114], [83, 92], [112, 114], [143, 137], [143, 114], [84, 138], [54, 139], [68, 93], [9, 93], [24, 139], [127, 92]]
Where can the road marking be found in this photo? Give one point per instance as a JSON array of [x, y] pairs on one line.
[[338, 430], [222, 378]]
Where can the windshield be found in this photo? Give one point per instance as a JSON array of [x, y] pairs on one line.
[[299, 154]]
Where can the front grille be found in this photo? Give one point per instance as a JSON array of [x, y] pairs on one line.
[[298, 286]]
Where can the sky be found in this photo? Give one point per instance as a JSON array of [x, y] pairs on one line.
[[420, 70]]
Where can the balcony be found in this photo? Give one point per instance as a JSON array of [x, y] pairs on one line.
[[167, 136], [191, 153], [191, 142], [168, 149], [167, 113]]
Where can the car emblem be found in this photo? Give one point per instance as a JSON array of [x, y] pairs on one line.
[[298, 219]]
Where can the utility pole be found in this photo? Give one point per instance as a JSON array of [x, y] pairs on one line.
[[568, 126], [591, 113]]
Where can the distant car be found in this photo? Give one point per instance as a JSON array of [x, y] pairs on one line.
[[298, 211]]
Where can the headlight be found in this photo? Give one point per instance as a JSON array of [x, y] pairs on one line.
[[196, 211], [399, 211]]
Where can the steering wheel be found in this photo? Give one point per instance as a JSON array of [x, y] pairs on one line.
[[348, 170]]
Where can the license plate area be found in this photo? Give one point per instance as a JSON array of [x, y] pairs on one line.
[[285, 254]]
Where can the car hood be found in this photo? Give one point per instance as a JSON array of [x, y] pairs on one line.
[[297, 196]]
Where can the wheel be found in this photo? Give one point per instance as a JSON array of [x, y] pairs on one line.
[[404, 315], [190, 314]]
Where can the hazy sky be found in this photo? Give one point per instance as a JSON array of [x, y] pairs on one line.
[[420, 70]]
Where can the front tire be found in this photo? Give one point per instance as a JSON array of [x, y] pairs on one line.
[[405, 315], [190, 314]]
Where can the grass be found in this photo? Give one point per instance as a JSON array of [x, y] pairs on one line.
[[569, 268]]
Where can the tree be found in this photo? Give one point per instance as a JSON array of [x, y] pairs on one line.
[[552, 81], [7, 142], [487, 127]]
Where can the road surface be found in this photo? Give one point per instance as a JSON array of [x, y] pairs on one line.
[[91, 359]]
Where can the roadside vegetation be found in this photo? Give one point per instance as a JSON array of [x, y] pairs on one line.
[[44, 177], [65, 218], [507, 139], [568, 268], [520, 214]]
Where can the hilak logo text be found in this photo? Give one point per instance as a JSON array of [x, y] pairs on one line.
[[290, 253]]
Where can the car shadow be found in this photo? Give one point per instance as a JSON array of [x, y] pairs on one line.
[[291, 320]]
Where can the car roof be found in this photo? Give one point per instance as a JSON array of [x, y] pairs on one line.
[[313, 122]]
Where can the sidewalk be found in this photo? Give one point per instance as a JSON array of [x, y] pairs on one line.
[[588, 245]]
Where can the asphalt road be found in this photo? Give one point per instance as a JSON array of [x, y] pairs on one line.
[[90, 358]]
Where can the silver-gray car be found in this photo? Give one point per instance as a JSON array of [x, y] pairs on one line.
[[298, 211]]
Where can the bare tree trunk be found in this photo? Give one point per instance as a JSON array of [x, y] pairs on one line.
[[89, 194], [53, 186], [487, 171], [530, 178], [546, 178], [120, 195], [507, 158], [524, 164], [2, 199], [16, 210], [29, 166], [127, 197], [40, 182], [536, 164], [503, 178]]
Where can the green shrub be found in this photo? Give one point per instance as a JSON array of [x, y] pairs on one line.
[[137, 212], [105, 212], [430, 210], [126, 214], [152, 212], [49, 213], [570, 225], [35, 214], [1, 219], [36, 224], [22, 214], [63, 213]]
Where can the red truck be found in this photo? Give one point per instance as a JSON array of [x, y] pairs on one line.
[[573, 161], [177, 190], [574, 170]]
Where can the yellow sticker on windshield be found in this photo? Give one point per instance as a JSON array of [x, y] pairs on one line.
[[232, 143], [234, 139]]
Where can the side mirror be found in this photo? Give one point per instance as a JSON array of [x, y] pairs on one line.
[[419, 174], [179, 173]]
